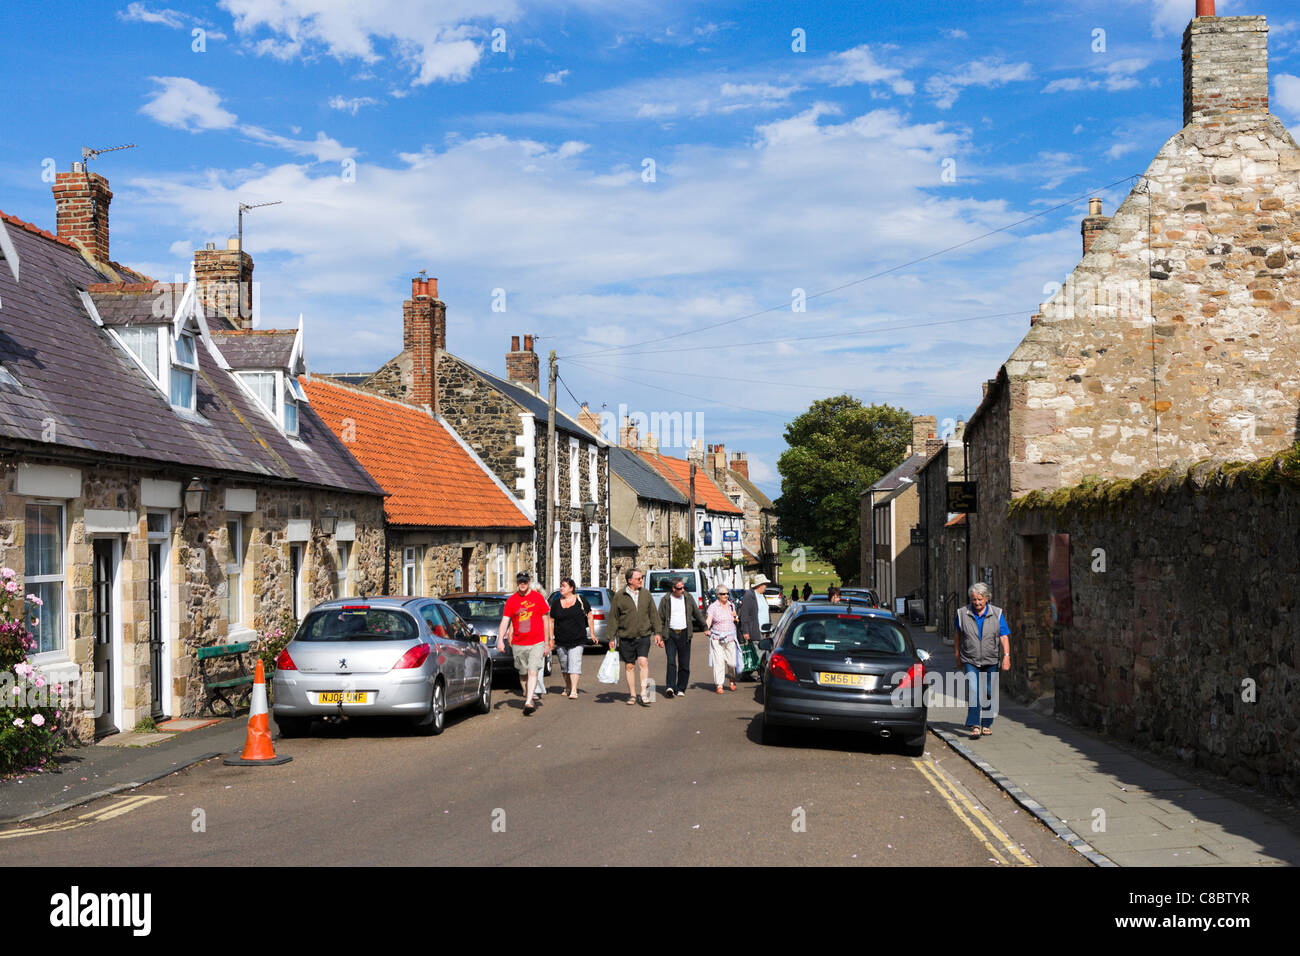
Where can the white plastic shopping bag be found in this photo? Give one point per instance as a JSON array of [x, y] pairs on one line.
[[608, 673]]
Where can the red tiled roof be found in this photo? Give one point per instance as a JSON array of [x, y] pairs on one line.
[[431, 479], [956, 522], [678, 473]]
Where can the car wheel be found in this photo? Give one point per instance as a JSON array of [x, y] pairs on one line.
[[769, 734], [484, 703], [915, 746], [293, 726], [432, 723]]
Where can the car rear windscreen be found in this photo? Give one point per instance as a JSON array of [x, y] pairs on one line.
[[358, 624], [848, 634], [663, 580], [478, 607]]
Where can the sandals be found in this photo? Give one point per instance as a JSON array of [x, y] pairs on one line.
[[720, 690], [974, 733], [733, 685], [988, 731], [631, 700]]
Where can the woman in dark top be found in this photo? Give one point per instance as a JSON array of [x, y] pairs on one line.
[[572, 617]]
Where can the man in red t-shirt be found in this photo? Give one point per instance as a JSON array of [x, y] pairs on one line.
[[527, 613]]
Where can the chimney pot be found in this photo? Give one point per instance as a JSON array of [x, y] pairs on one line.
[[232, 243], [514, 343], [210, 246], [528, 343], [1205, 8], [1094, 207]]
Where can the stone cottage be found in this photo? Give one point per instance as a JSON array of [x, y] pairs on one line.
[[504, 421], [165, 483], [450, 523], [760, 535], [1177, 337], [646, 510]]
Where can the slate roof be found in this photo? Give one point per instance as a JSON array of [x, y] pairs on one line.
[[533, 402], [72, 376], [135, 303], [644, 480], [621, 542], [256, 348], [678, 472], [899, 490], [433, 479], [907, 469], [751, 489]]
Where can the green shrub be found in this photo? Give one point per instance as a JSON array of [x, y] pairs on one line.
[[31, 709]]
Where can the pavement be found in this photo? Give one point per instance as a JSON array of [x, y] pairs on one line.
[[118, 763], [1115, 805]]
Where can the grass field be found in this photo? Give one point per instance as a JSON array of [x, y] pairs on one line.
[[797, 568]]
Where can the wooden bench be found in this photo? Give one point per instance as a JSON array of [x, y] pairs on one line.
[[219, 689]]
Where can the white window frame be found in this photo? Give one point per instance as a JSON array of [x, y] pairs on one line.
[[59, 653], [345, 560], [593, 576], [574, 484], [592, 471], [575, 551], [289, 397], [178, 364], [499, 568], [412, 559], [234, 571], [300, 608]]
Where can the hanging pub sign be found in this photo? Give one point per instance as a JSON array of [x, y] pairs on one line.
[[961, 497]]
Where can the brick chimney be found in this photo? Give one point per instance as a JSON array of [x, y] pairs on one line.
[[424, 332], [219, 283], [627, 435], [717, 462], [1225, 66], [934, 444], [81, 210], [923, 427], [589, 419], [1093, 225], [740, 464], [522, 366]]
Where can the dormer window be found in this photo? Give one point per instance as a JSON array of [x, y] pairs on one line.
[[185, 367], [279, 394], [143, 343]]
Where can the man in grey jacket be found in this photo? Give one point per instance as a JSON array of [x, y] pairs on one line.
[[981, 643], [680, 616], [754, 611]]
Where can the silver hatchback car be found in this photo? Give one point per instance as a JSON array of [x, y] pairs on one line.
[[380, 657]]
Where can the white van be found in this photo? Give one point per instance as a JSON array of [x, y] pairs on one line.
[[661, 582]]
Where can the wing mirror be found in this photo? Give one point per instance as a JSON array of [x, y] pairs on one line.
[[924, 655]]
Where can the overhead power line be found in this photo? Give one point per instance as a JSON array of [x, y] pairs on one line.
[[845, 285]]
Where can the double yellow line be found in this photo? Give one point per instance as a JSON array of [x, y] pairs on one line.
[[122, 806], [985, 830]]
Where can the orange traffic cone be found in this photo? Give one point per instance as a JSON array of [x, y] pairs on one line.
[[258, 749]]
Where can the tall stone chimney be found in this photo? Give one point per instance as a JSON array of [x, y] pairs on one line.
[[923, 427], [222, 290], [627, 435], [589, 419], [696, 454], [81, 210], [717, 462], [424, 332], [740, 464], [1225, 66], [522, 366], [1092, 226]]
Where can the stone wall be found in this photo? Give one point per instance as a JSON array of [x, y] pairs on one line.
[[441, 554], [197, 554], [1186, 642], [485, 418]]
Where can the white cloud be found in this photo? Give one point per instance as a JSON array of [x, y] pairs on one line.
[[990, 72], [956, 34], [139, 13], [556, 78], [1286, 94], [181, 103], [435, 40], [860, 65], [352, 104], [1172, 16], [324, 149]]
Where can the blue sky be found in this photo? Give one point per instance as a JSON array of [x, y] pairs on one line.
[[399, 139]]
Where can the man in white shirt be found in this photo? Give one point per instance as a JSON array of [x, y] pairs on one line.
[[681, 615]]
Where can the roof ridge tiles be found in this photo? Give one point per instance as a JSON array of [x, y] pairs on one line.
[[32, 227]]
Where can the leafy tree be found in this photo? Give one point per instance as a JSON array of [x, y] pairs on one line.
[[838, 448], [683, 553]]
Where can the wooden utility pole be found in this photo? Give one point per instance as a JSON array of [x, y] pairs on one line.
[[691, 522], [546, 570]]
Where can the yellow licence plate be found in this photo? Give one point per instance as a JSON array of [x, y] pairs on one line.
[[865, 681], [343, 697], [483, 638]]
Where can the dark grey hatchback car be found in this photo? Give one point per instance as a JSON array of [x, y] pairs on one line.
[[844, 668]]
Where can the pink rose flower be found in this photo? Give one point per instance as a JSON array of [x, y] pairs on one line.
[[33, 599], [18, 721], [38, 720], [40, 681], [7, 573]]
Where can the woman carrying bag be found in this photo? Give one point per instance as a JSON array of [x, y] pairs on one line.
[[573, 624], [721, 621]]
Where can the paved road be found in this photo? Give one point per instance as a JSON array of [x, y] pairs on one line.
[[590, 781]]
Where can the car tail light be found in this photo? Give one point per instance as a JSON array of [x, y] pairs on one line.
[[597, 616], [283, 662], [778, 666], [913, 677], [701, 604], [413, 658]]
